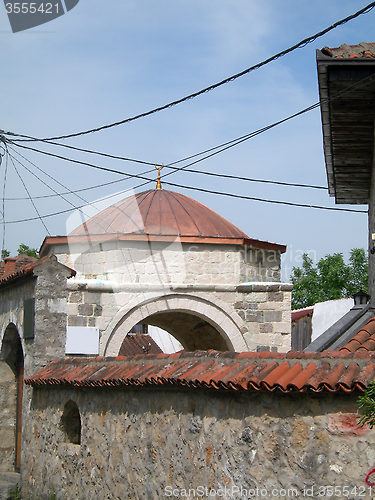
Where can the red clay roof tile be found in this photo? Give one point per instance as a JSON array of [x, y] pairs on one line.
[[139, 343], [216, 370], [24, 265], [363, 339], [362, 50], [300, 380]]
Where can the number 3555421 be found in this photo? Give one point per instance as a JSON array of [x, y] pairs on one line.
[[31, 8]]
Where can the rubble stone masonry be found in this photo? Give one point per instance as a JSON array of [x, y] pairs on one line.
[[159, 443]]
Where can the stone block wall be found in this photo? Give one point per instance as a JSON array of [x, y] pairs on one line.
[[47, 285], [175, 262], [261, 311], [266, 308], [83, 308], [149, 443]]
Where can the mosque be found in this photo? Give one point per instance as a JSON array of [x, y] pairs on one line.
[[156, 258]]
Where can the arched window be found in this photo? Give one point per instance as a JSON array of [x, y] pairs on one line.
[[71, 422]]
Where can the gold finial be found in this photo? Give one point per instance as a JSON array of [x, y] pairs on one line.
[[158, 184]]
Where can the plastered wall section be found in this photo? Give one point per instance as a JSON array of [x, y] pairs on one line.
[[147, 443]]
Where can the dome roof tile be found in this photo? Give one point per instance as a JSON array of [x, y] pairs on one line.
[[160, 213]]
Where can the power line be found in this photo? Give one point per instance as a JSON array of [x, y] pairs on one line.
[[266, 200], [214, 150], [60, 212], [232, 195], [3, 214], [249, 179], [300, 44], [189, 187], [30, 197], [41, 180], [67, 192]]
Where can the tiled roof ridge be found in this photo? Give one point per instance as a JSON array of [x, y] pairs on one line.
[[363, 341], [286, 372], [28, 268], [362, 50], [137, 343]]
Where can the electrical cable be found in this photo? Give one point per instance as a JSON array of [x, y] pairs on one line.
[[3, 221], [232, 195], [30, 197], [137, 176], [67, 192], [265, 200], [58, 194], [64, 211], [249, 179], [300, 44], [45, 173], [41, 180], [229, 144], [223, 146]]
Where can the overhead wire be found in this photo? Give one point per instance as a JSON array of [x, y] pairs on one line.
[[58, 194], [30, 197], [300, 44], [43, 182], [232, 195], [215, 151], [97, 186], [3, 213], [244, 197], [221, 147]]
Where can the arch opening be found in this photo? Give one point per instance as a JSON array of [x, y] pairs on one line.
[[196, 322], [71, 423], [11, 384], [193, 332]]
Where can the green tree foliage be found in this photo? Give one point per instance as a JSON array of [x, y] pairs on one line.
[[330, 279], [31, 252], [366, 405], [5, 253]]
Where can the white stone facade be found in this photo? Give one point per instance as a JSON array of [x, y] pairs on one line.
[[234, 290]]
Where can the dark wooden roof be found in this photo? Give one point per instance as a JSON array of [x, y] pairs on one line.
[[347, 89]]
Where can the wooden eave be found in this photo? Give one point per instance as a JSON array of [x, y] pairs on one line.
[[348, 125]]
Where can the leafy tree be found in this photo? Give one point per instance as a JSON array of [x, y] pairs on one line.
[[366, 404], [24, 249], [330, 279], [4, 253]]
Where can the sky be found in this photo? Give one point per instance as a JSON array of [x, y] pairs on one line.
[[106, 61]]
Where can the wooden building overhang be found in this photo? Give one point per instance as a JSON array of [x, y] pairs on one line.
[[347, 91]]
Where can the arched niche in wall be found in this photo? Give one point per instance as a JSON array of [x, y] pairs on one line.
[[70, 423], [11, 383]]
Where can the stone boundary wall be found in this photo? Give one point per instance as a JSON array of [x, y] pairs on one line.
[[149, 443]]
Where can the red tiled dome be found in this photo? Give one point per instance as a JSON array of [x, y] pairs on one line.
[[160, 213]]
